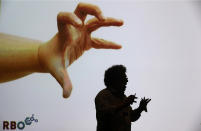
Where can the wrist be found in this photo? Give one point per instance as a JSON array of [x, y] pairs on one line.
[[140, 109], [42, 57]]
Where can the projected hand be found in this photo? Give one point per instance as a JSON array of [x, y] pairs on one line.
[[72, 39], [143, 104]]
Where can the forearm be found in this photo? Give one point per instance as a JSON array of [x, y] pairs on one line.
[[114, 108], [18, 57], [135, 114]]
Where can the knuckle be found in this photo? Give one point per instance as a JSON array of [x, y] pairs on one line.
[[79, 5], [59, 15], [97, 9]]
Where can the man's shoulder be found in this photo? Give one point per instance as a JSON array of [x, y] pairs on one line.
[[103, 93]]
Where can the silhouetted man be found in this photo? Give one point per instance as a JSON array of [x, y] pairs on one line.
[[113, 110]]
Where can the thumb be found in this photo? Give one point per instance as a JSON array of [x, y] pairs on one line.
[[145, 109], [61, 75]]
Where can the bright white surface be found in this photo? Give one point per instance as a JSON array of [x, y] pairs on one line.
[[161, 50], [102, 0]]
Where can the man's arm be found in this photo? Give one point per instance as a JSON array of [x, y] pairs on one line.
[[108, 108], [135, 114], [105, 106]]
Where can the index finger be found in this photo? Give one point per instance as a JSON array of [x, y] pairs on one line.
[[148, 100], [84, 8], [94, 24]]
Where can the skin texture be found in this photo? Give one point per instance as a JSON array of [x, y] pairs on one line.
[[21, 56]]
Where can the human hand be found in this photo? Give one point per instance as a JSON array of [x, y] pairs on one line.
[[129, 100], [72, 39], [143, 104]]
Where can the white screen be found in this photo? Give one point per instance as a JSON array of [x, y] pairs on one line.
[[161, 50]]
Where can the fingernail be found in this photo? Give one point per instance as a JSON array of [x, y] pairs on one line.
[[119, 47], [121, 22]]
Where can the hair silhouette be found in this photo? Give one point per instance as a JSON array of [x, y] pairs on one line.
[[114, 74]]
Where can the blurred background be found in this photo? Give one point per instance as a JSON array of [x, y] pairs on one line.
[[161, 50]]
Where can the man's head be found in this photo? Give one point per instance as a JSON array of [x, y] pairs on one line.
[[116, 78]]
